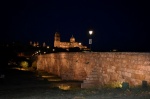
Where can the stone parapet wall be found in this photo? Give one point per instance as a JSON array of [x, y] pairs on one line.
[[98, 68]]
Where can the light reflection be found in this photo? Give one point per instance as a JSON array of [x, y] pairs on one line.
[[23, 69], [54, 79], [64, 87], [116, 84], [47, 76], [51, 78]]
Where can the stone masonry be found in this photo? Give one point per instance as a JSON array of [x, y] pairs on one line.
[[98, 68]]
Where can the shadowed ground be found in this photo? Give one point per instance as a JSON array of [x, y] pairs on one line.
[[22, 84]]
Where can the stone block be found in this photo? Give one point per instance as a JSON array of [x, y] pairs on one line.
[[137, 76], [86, 85], [114, 77], [127, 74], [91, 81], [147, 77]]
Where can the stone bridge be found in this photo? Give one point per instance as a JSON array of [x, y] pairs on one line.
[[98, 68]]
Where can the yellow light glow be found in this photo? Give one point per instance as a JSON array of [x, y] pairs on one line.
[[24, 64], [116, 84], [47, 76], [64, 87], [23, 69]]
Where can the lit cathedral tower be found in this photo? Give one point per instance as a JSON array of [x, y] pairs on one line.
[[66, 45], [57, 40]]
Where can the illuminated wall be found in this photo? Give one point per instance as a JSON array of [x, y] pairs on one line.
[[98, 68]]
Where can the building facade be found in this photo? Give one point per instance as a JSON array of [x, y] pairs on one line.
[[66, 45]]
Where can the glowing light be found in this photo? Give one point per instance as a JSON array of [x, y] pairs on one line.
[[47, 47], [64, 87], [17, 68], [90, 32], [24, 64], [47, 76], [116, 84]]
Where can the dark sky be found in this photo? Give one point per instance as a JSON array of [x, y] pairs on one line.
[[117, 24]]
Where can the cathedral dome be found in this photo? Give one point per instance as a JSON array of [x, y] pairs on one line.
[[72, 39]]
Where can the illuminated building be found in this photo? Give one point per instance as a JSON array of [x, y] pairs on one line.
[[66, 45]]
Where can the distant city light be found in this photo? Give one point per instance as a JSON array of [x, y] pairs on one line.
[[47, 46], [80, 43]]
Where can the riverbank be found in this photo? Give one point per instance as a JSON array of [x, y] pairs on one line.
[[24, 84]]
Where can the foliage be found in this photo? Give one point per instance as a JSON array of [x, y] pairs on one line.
[[113, 85], [24, 64]]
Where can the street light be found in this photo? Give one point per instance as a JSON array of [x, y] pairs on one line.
[[90, 40], [90, 32]]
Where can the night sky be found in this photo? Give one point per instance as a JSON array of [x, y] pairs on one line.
[[117, 24]]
